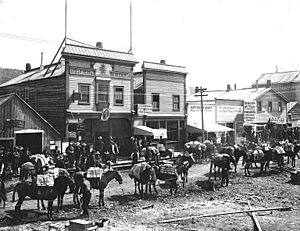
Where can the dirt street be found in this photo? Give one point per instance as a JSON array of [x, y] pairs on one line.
[[127, 211]]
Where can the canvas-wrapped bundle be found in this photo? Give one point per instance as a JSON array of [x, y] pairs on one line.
[[94, 172], [167, 172], [45, 180]]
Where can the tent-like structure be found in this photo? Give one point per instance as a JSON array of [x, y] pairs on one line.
[[147, 131], [197, 128]]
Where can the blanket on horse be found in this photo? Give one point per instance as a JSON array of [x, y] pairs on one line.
[[137, 169]]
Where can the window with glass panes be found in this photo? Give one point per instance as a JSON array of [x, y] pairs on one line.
[[155, 102], [176, 103], [102, 92], [119, 95], [84, 90]]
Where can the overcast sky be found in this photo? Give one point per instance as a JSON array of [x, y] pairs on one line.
[[220, 42]]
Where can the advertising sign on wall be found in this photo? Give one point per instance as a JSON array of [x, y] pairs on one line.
[[249, 111]]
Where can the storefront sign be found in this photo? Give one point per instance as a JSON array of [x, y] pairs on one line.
[[143, 109], [250, 111], [72, 134], [80, 127], [15, 123], [105, 114], [281, 121], [228, 113]]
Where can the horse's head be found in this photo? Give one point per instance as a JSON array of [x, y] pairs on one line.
[[118, 177]]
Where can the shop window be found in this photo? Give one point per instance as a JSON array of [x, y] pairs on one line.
[[162, 124], [84, 90], [119, 95], [155, 102], [279, 106], [172, 130], [72, 127], [270, 107], [176, 103], [259, 106], [102, 92]]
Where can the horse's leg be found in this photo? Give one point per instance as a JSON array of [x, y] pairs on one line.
[[211, 163], [175, 186], [18, 207], [154, 187], [101, 197], [50, 210]]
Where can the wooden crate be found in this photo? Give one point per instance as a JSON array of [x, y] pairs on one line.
[[80, 225]]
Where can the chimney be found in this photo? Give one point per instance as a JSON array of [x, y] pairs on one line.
[[99, 45], [228, 87], [196, 89], [28, 67], [235, 86], [269, 83], [256, 84], [163, 61]]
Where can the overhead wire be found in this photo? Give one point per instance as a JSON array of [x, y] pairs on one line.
[[25, 38]]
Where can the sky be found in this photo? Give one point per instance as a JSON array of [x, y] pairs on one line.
[[219, 42]]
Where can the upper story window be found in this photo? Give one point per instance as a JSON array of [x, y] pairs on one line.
[[270, 107], [102, 92], [84, 90], [119, 95], [259, 106], [176, 103], [155, 101], [279, 106]]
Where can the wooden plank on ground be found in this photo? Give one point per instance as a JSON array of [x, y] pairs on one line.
[[225, 213], [254, 218]]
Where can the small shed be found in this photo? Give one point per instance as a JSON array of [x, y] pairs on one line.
[[21, 125]]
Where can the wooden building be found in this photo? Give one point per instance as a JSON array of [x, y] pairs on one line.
[[286, 83], [160, 99], [238, 109], [86, 94], [21, 125]]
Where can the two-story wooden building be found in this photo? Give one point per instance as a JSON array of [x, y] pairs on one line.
[[87, 94], [160, 99]]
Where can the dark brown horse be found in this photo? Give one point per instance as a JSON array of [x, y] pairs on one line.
[[33, 191], [172, 177], [220, 161], [96, 183]]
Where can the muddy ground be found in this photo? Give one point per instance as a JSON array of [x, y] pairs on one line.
[[127, 211]]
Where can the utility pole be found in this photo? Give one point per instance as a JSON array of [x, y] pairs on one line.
[[201, 91]]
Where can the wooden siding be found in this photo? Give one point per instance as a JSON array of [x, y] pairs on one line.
[[166, 77], [14, 108], [46, 96], [75, 80], [166, 90]]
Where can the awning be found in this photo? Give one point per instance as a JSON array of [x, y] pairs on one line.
[[196, 128], [147, 131]]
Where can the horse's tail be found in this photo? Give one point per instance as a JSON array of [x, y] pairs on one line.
[[15, 189]]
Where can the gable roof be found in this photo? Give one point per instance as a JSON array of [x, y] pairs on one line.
[[37, 73], [94, 52], [5, 98], [164, 67], [279, 77]]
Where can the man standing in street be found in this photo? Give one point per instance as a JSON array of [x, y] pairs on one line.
[[85, 191]]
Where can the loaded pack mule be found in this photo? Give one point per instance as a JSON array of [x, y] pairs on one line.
[[222, 162], [49, 193], [96, 183]]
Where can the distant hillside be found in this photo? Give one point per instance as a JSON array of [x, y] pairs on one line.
[[7, 74]]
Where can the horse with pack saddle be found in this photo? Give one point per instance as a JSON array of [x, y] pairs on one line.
[[48, 186]]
